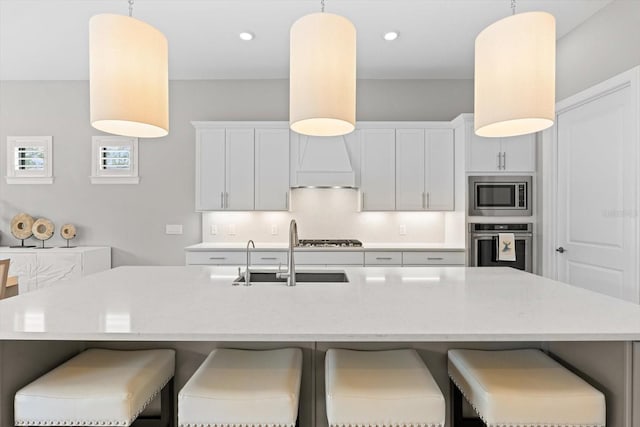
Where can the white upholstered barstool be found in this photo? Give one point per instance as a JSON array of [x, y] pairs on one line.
[[521, 388], [248, 388], [99, 388], [391, 388]]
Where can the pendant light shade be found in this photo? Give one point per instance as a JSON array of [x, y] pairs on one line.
[[515, 68], [323, 75], [129, 86]]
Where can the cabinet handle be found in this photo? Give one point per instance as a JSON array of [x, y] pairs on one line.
[[434, 258], [222, 200], [268, 258], [499, 160], [504, 160], [226, 200], [428, 200], [217, 257], [383, 258]]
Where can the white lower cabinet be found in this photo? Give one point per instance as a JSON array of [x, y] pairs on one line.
[[40, 268], [329, 258], [383, 258], [269, 258], [417, 258]]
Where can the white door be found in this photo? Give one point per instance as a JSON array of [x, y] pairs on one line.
[[439, 174], [239, 170], [211, 164], [378, 175], [272, 169], [519, 153], [482, 153], [596, 210], [410, 192]]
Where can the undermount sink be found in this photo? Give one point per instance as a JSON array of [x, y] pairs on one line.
[[302, 277]]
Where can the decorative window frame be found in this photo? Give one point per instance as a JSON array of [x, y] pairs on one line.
[[41, 176], [114, 176]]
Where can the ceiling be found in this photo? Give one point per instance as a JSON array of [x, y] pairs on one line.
[[48, 39]]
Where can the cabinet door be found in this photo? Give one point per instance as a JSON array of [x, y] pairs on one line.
[[482, 153], [410, 170], [272, 169], [56, 267], [519, 153], [439, 174], [25, 267], [239, 170], [210, 152], [378, 174]]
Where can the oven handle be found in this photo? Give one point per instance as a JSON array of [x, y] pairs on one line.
[[485, 236]]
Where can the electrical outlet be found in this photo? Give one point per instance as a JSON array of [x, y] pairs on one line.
[[231, 230], [173, 229], [403, 230], [214, 230], [274, 230]]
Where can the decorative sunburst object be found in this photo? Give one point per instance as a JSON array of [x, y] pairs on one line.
[[43, 229], [21, 228], [68, 232]]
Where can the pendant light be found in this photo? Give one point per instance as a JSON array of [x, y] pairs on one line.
[[322, 75], [128, 79], [515, 68]]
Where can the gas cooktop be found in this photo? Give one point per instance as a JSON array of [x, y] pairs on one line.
[[329, 243]]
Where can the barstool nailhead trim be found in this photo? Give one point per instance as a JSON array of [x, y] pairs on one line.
[[94, 422], [532, 424]]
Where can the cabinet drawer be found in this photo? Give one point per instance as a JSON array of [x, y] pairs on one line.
[[433, 258], [216, 258], [329, 258], [268, 258], [383, 258]]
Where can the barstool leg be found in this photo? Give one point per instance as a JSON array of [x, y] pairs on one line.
[[457, 417], [167, 405]]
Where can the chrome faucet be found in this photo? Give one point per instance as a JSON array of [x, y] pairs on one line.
[[290, 274], [247, 272]]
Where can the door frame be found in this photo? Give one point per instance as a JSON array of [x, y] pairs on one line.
[[549, 164]]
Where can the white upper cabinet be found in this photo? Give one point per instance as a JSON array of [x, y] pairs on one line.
[[378, 169], [424, 169], [513, 154], [210, 169], [410, 170], [272, 169], [440, 170], [241, 168]]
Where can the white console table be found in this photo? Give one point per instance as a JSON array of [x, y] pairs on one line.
[[39, 268]]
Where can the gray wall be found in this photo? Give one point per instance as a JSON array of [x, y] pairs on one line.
[[131, 218], [606, 44]]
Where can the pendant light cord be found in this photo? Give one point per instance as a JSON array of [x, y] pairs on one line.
[[322, 5], [513, 7], [130, 8]]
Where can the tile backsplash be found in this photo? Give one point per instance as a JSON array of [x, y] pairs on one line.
[[333, 213]]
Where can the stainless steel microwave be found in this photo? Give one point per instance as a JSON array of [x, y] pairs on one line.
[[499, 196]]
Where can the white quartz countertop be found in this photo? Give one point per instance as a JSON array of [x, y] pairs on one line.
[[379, 304], [366, 246]]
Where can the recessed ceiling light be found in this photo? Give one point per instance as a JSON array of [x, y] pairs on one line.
[[246, 36], [390, 36]]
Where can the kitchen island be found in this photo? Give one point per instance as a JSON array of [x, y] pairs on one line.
[[195, 309]]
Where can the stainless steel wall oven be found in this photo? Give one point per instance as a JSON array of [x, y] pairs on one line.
[[483, 245]]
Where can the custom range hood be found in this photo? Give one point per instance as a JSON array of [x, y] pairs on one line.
[[323, 161]]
